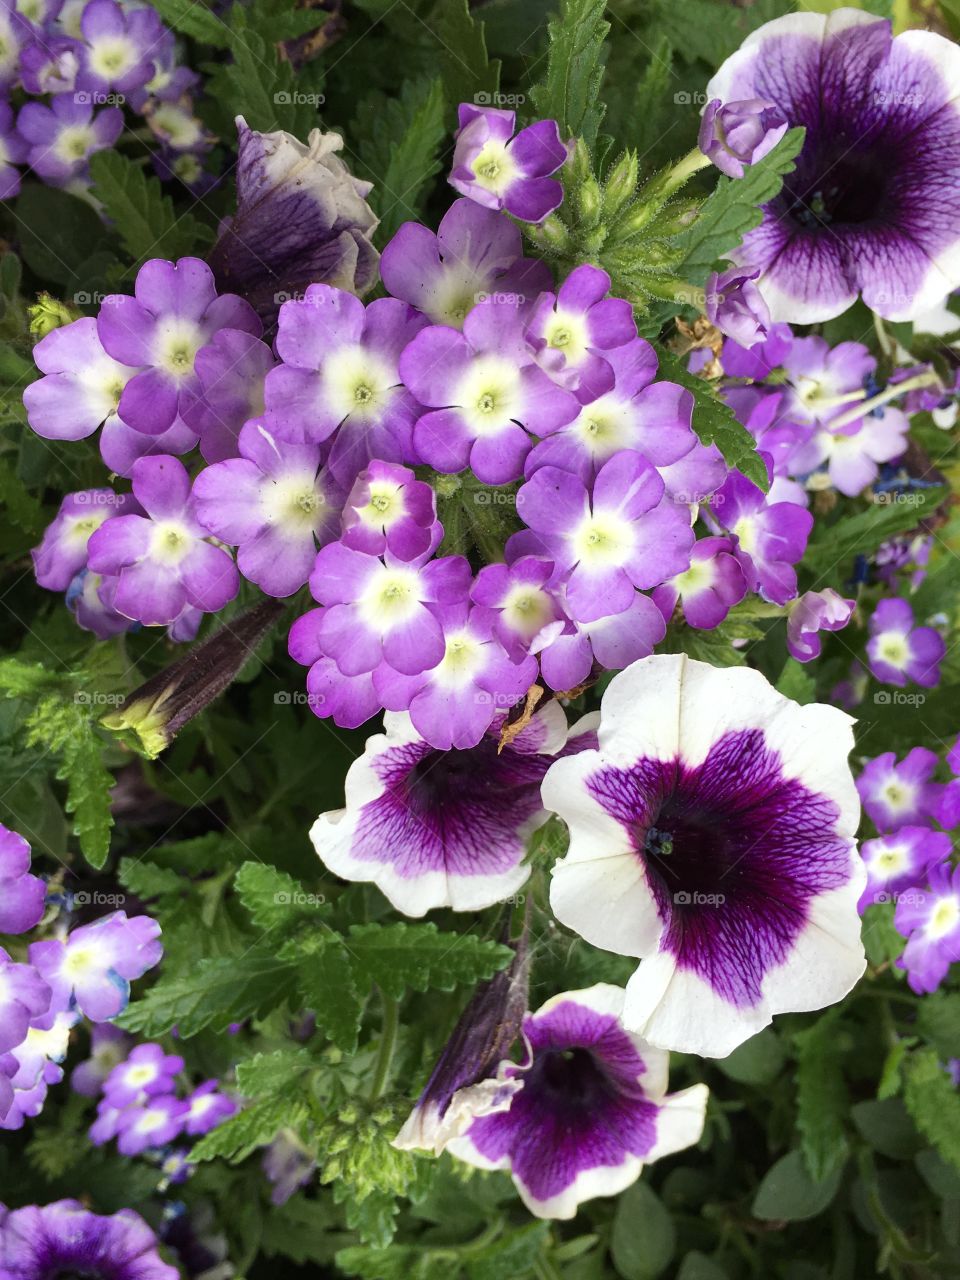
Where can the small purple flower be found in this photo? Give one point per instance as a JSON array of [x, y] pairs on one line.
[[609, 539], [571, 330], [109, 1045], [174, 313], [853, 451], [527, 609], [736, 134], [813, 612], [231, 370], [21, 894], [89, 598], [708, 590], [158, 1121], [14, 150], [484, 394], [736, 306], [349, 700], [147, 1072], [592, 1108], [475, 253], [207, 1108], [340, 378], [24, 997], [825, 381], [64, 1239], [65, 135], [501, 171], [63, 552], [389, 509], [930, 921], [13, 34], [288, 1165], [98, 961], [898, 651], [769, 537], [163, 559], [443, 828], [613, 642], [118, 47], [898, 860], [759, 361], [898, 795], [82, 387], [34, 1064], [50, 65], [274, 504]]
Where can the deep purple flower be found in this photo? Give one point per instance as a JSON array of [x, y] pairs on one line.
[[65, 135], [158, 1121], [389, 509], [712, 836], [898, 651], [609, 539], [484, 394], [109, 1045], [64, 1239], [21, 894], [163, 559], [930, 921], [527, 609], [709, 589], [50, 64], [148, 1071], [815, 611], [592, 1108], [230, 370], [274, 504], [340, 375], [434, 828], [736, 306], [900, 859], [98, 961], [769, 537], [501, 171], [63, 552], [207, 1108], [899, 794], [175, 312], [870, 207], [118, 47], [475, 253], [736, 134]]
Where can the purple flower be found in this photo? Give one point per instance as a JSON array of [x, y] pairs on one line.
[[736, 306], [760, 360], [340, 378], [82, 387], [527, 610], [158, 1121], [389, 509], [572, 329], [483, 392], [454, 702], [613, 642], [898, 651], [825, 381], [501, 171], [207, 1108], [853, 450], [163, 560], [63, 552], [34, 1064], [230, 370], [712, 836], [378, 607], [175, 312], [274, 504], [769, 537], [870, 208], [442, 828], [24, 997], [13, 151], [349, 700], [609, 539], [65, 135], [592, 1108], [21, 894], [118, 47], [813, 612], [147, 1072], [288, 1165], [474, 253], [98, 961], [898, 860], [89, 598], [736, 134], [930, 921], [898, 795], [709, 589], [50, 65], [64, 1239], [108, 1048]]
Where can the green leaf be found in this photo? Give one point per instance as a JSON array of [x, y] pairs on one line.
[[881, 939], [58, 233], [887, 1127], [733, 208], [145, 217], [570, 91], [147, 880], [834, 546], [697, 1266], [19, 679], [789, 1194], [757, 1061], [398, 956], [715, 423], [274, 899], [932, 1100], [938, 1020], [643, 1238], [89, 783], [277, 1072], [401, 141], [20, 507], [467, 71], [512, 1254], [256, 1126], [822, 1099], [796, 682], [328, 986], [192, 18]]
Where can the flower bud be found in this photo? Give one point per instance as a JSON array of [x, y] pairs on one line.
[[736, 306], [740, 133]]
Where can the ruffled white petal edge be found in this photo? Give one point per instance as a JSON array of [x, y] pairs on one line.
[[425, 1129]]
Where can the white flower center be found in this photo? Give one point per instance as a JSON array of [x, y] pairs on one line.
[[565, 331], [894, 649], [462, 658], [493, 168], [489, 394], [170, 542], [899, 796], [358, 383], [602, 541], [292, 502], [390, 599], [695, 579], [112, 57], [527, 610], [944, 917], [177, 342], [74, 143]]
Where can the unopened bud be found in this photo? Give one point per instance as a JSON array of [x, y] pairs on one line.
[[49, 313], [621, 184]]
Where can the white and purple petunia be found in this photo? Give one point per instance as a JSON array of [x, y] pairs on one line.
[[475, 253], [21, 894], [275, 504], [813, 612], [898, 651], [712, 836], [434, 828], [484, 393], [708, 590], [592, 1108], [65, 1239], [388, 508], [870, 209], [900, 859], [900, 794], [64, 135], [501, 171], [163, 559], [929, 918], [734, 135], [92, 970]]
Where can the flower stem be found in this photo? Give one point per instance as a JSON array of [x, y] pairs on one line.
[[928, 379], [388, 1042], [681, 172]]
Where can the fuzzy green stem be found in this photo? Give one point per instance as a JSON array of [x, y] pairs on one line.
[[388, 1042], [681, 173]]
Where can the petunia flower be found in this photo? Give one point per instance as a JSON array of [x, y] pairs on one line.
[[712, 836], [64, 1238], [813, 612], [475, 253], [92, 970], [591, 1111], [21, 894], [443, 828], [900, 794], [898, 651], [929, 918], [900, 859], [501, 171], [708, 590], [870, 207]]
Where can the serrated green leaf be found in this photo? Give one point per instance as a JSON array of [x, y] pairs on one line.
[[19, 679], [569, 93], [192, 18], [145, 217], [20, 507], [276, 1072], [255, 1126], [932, 1100], [398, 956], [938, 1021], [468, 73], [273, 898], [797, 683], [329, 988], [512, 1254], [822, 1099], [832, 548], [89, 783], [147, 880]]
